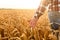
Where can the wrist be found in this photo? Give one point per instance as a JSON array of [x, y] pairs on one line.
[[37, 15], [35, 18]]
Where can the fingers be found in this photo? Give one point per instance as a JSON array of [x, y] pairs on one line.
[[32, 22]]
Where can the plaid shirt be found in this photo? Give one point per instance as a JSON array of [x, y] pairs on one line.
[[51, 5]]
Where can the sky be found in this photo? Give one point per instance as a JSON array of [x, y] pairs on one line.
[[20, 4]]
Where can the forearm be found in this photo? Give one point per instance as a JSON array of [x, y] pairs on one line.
[[39, 12], [41, 9]]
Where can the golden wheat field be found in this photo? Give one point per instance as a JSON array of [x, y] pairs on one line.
[[14, 25]]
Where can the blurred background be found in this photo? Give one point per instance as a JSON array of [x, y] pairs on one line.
[[19, 4], [14, 21]]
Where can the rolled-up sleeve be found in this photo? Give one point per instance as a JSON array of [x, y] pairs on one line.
[[42, 7]]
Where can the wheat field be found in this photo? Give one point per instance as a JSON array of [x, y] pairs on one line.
[[14, 25]]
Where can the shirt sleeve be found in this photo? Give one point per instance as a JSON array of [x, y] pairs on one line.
[[42, 7]]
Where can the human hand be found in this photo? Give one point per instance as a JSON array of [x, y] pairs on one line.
[[32, 22]]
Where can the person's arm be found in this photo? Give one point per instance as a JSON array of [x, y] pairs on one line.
[[39, 12], [41, 9]]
